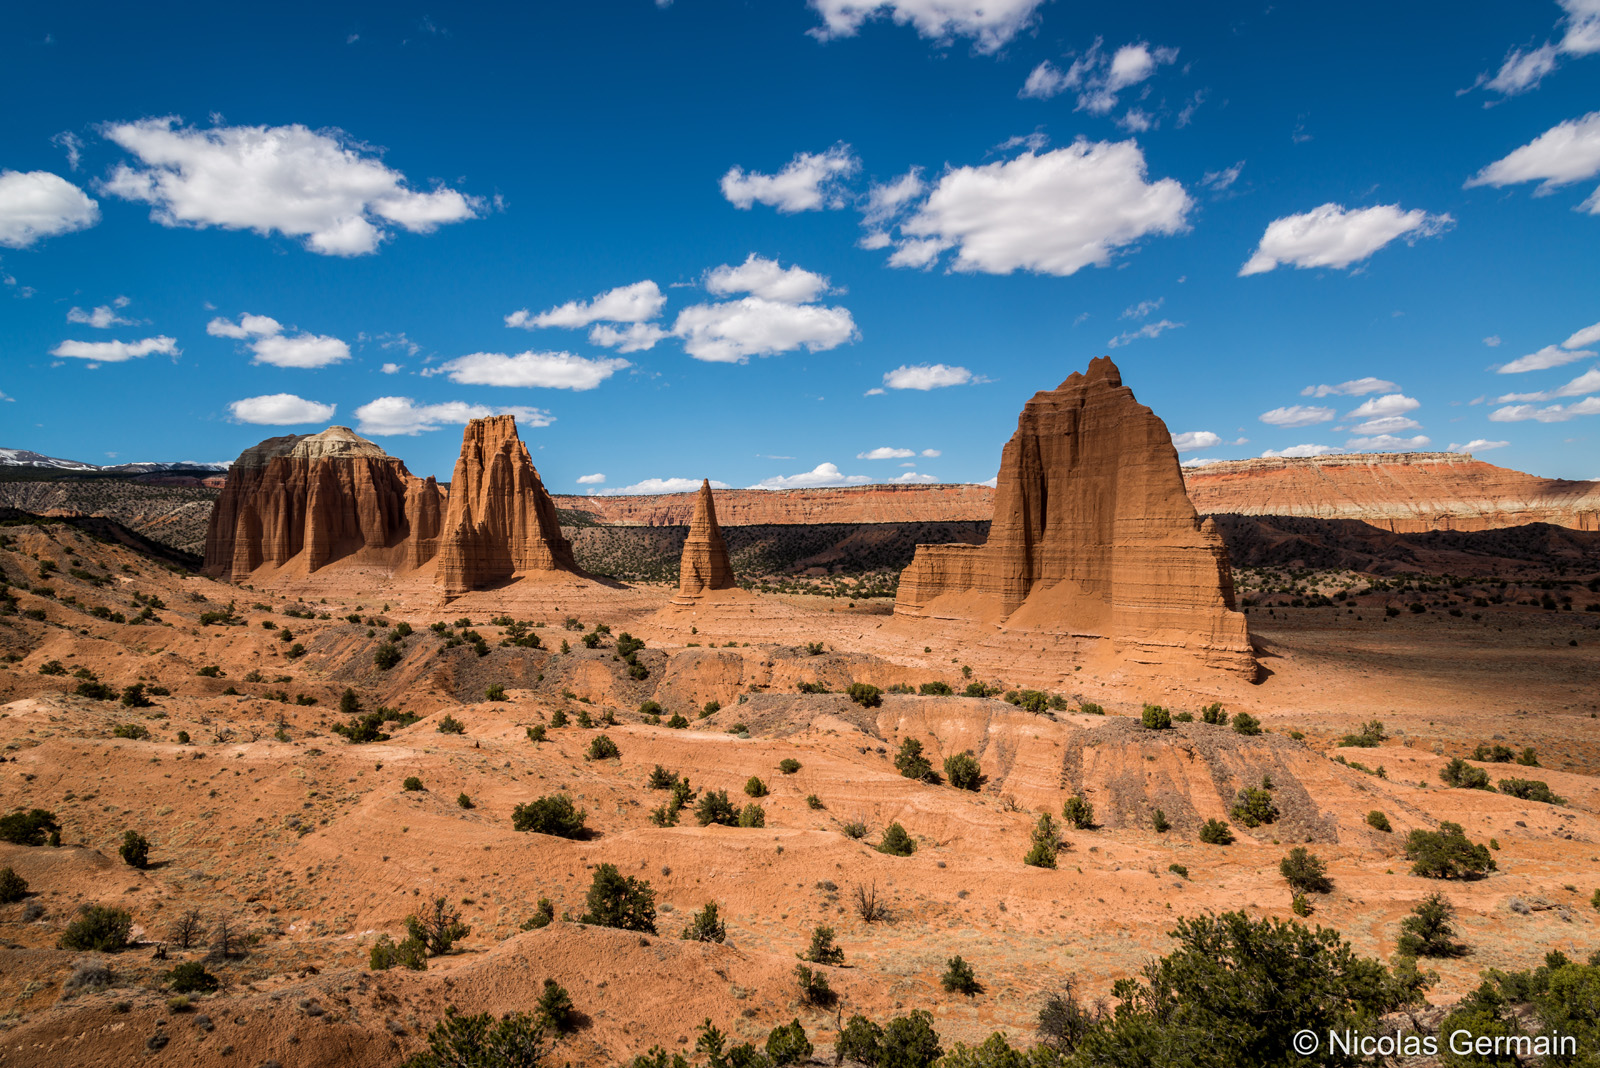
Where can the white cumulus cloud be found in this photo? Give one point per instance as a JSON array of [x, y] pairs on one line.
[[1524, 70], [1479, 445], [1298, 415], [1566, 153], [1330, 236], [810, 182], [1052, 213], [117, 351], [931, 453], [272, 346], [390, 368], [402, 415], [912, 478], [1155, 329], [1555, 413], [761, 277], [1300, 451], [1356, 387], [1546, 358], [1587, 336], [733, 331], [661, 485], [1098, 77], [821, 475], [1390, 404], [1388, 443], [102, 317], [925, 376], [885, 452], [1584, 384], [1195, 439], [888, 199], [635, 303], [35, 205], [591, 480], [546, 370], [280, 409], [989, 23], [633, 337], [323, 187]]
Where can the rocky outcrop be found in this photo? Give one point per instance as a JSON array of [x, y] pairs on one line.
[[500, 523], [1093, 536], [1403, 492], [955, 503], [309, 501], [704, 565]]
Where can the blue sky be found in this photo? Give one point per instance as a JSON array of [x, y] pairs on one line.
[[798, 242]]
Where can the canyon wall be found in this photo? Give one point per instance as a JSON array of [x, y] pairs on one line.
[[957, 502]]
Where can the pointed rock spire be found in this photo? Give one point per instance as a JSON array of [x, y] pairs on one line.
[[704, 566]]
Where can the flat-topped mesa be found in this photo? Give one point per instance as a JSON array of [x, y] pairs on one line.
[[500, 523], [704, 566], [1093, 536], [309, 501]]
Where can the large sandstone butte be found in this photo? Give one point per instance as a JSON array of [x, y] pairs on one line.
[[302, 502], [704, 565], [1400, 492], [1093, 537], [501, 524]]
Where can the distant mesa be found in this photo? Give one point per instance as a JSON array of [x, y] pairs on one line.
[[1093, 536], [704, 566], [296, 504]]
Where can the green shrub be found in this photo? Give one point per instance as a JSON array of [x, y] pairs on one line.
[[677, 722], [1089, 708], [554, 1007], [660, 778], [544, 914], [910, 1042], [1378, 821], [134, 696], [1078, 812], [450, 725], [1370, 736], [1300, 905], [714, 807], [603, 748], [558, 718], [191, 978], [1458, 773], [1180, 870], [1254, 806], [822, 949], [98, 929], [1304, 871], [13, 887], [959, 978], [463, 801], [788, 765], [1428, 932], [617, 900], [1215, 832], [1159, 822], [1529, 758], [211, 671], [96, 691], [935, 689], [437, 927], [865, 695], [754, 787], [962, 771], [496, 692], [554, 814], [1246, 724], [1155, 718], [1045, 843], [363, 729], [1447, 854], [386, 953], [853, 829], [788, 1045], [753, 815], [1530, 790], [135, 849], [910, 762], [516, 1040], [1214, 714], [813, 801], [31, 828], [707, 926], [1029, 700], [896, 842], [814, 988], [136, 731], [536, 733], [710, 708], [412, 784], [387, 655]]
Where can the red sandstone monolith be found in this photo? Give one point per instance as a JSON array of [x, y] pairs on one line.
[[704, 565]]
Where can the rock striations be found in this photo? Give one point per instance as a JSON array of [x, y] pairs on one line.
[[704, 567], [501, 524], [295, 505], [304, 502], [1093, 537]]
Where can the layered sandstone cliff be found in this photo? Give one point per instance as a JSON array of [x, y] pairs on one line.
[[305, 502], [1399, 492], [954, 503], [704, 566], [500, 523], [1093, 536]]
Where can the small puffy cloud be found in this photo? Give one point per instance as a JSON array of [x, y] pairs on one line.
[[1566, 153], [1479, 445], [1546, 358], [661, 485], [323, 187], [1298, 415], [927, 376], [103, 317], [1356, 387], [1195, 439], [920, 254], [888, 199], [634, 337], [989, 23], [1388, 424], [591, 480], [821, 475], [1555, 413], [280, 409], [272, 346], [885, 453], [1155, 329], [931, 453], [1200, 461], [761, 277], [117, 351], [1330, 236], [810, 182], [1142, 309], [911, 478], [1217, 181], [35, 205], [1493, 341], [1300, 452], [1524, 70], [545, 370], [733, 331], [1388, 443], [1583, 385], [1098, 77], [1390, 404], [390, 368], [1589, 335], [247, 327], [637, 303], [402, 415], [1052, 213]]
